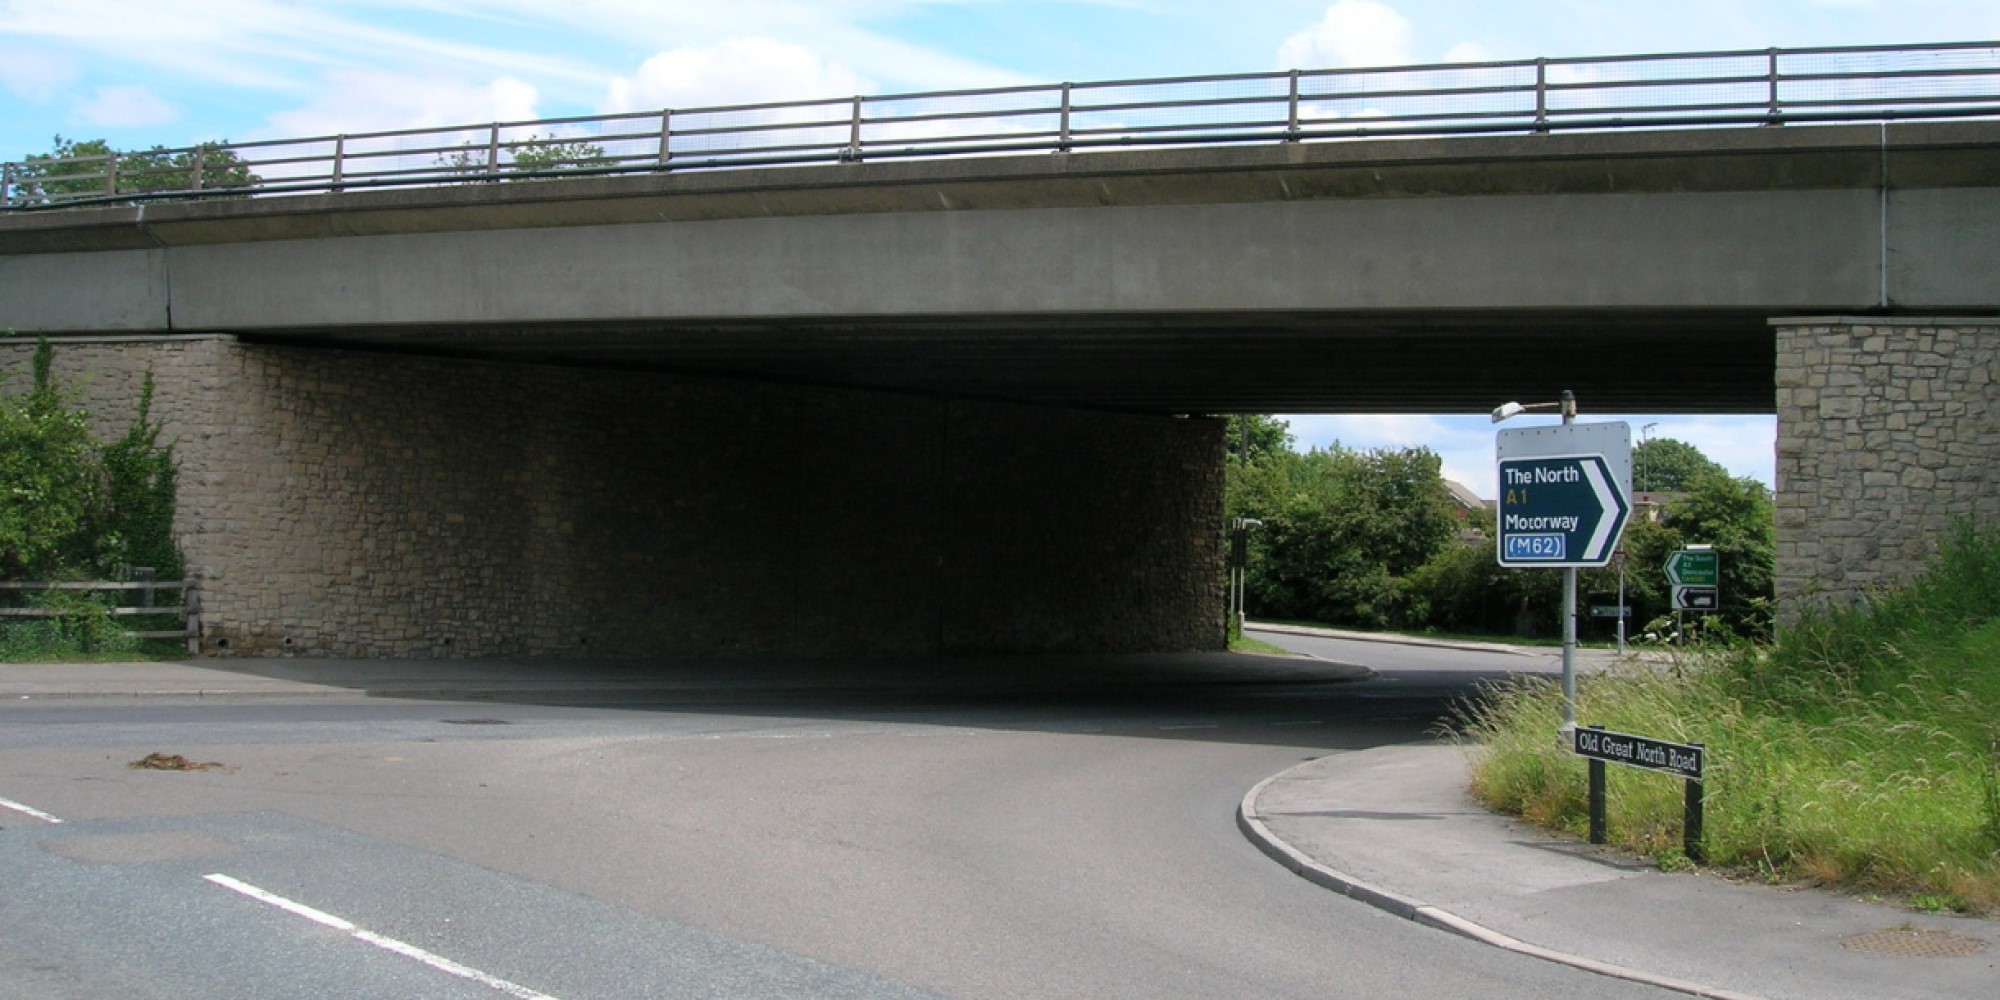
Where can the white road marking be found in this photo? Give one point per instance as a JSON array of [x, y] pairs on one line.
[[1204, 725], [28, 811], [437, 962]]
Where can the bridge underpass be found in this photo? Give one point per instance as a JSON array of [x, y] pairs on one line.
[[1409, 362], [930, 409]]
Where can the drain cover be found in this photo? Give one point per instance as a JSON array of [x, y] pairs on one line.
[[1915, 942], [477, 722]]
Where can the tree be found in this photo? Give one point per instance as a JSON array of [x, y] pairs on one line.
[[49, 488], [1254, 437], [1340, 528], [1664, 465], [532, 155], [140, 483], [92, 169], [1736, 515], [70, 507], [553, 154]]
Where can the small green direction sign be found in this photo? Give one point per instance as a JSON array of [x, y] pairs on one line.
[[1694, 568]]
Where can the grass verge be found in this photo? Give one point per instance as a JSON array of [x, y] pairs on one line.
[[1861, 751]]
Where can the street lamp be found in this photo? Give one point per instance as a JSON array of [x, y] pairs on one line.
[[1645, 435], [1568, 407], [1240, 563]]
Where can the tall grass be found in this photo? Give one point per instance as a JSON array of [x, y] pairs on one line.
[[80, 626], [1862, 750]]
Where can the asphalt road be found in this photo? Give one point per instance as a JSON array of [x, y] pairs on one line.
[[884, 844]]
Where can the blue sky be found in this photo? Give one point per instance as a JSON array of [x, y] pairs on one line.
[[141, 72]]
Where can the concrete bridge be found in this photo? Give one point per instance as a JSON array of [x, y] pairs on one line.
[[933, 407]]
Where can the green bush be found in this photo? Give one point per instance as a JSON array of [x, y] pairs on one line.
[[1862, 750], [82, 626], [72, 508]]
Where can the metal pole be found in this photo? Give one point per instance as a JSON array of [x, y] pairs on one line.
[[1621, 604], [1292, 111], [1541, 95], [853, 153], [1596, 803], [1063, 144], [1691, 819], [1569, 608], [1772, 116]]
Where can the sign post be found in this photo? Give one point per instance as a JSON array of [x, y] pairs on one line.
[[1563, 505], [1600, 745], [1696, 575]]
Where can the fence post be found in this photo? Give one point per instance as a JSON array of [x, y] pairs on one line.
[[853, 151], [1292, 111], [493, 150], [1772, 114], [339, 160], [7, 185], [1062, 143], [666, 136], [111, 173], [1542, 94], [191, 615], [200, 158]]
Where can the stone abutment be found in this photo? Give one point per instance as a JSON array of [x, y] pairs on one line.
[[366, 505]]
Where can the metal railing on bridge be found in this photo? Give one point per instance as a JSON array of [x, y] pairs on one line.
[[1683, 90]]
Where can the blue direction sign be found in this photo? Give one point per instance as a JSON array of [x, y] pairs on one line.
[[1560, 510]]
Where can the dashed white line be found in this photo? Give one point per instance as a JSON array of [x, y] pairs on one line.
[[390, 944], [28, 811]]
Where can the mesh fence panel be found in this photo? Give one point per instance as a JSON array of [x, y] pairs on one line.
[[1627, 92]]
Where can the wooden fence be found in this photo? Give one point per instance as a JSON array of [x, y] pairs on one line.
[[138, 598]]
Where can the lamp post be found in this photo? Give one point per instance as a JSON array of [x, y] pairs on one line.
[[1568, 407], [1645, 435], [1240, 564]]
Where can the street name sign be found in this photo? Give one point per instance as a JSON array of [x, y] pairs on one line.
[[1696, 575], [1563, 494], [1642, 752]]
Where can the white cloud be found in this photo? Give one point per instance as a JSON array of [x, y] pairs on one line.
[[1745, 445], [1353, 33], [361, 101], [737, 71], [125, 107], [264, 44], [33, 75], [1469, 52]]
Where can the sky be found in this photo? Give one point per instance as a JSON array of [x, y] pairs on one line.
[[139, 73]]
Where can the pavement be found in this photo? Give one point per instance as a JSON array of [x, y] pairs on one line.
[[1394, 827], [1391, 826]]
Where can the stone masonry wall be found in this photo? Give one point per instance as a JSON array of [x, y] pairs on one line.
[[1888, 431], [343, 504]]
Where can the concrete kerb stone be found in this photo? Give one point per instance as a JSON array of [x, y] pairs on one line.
[[1396, 639], [1249, 820]]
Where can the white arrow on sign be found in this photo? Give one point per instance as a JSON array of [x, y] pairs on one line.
[[1613, 505]]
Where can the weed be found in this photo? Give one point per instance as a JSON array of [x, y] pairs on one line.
[[1859, 751]]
